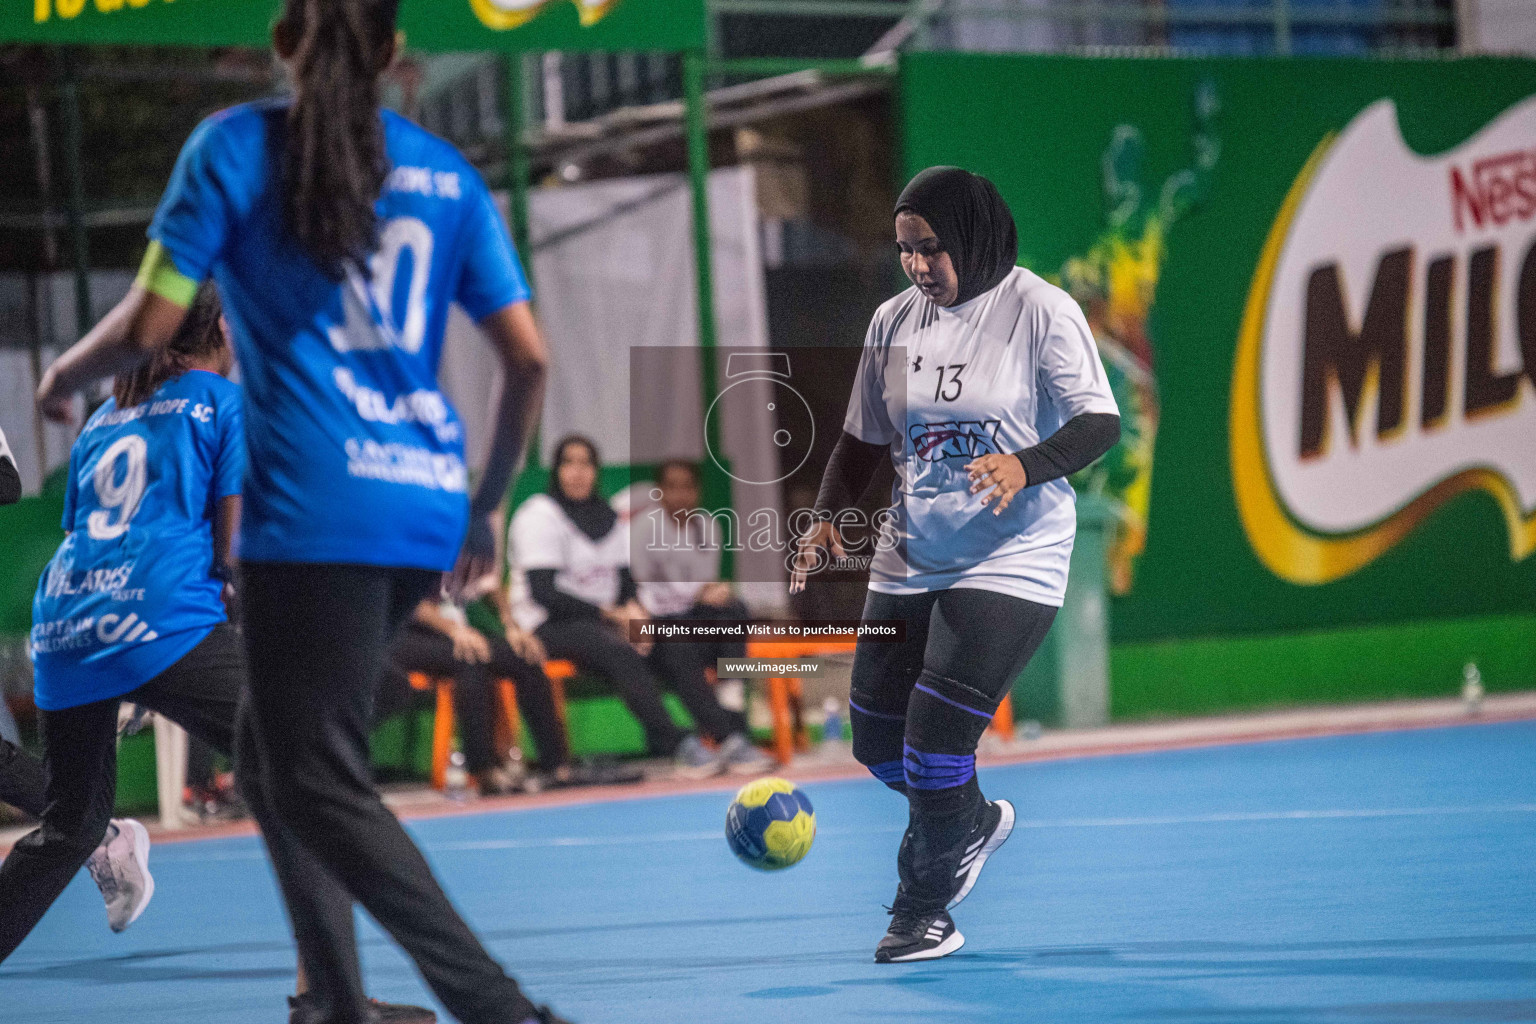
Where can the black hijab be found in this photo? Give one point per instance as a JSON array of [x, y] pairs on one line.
[[973, 223], [592, 515]]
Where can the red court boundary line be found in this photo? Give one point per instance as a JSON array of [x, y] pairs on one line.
[[1246, 731]]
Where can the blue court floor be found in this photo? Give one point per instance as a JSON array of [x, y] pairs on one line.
[[1381, 878]]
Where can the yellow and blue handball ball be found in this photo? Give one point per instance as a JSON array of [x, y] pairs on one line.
[[770, 825]]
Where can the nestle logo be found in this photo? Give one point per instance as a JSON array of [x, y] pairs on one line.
[[1495, 191]]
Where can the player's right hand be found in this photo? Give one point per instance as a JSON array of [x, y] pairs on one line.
[[822, 534]]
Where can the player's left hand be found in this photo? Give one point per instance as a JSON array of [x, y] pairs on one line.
[[131, 719], [477, 557], [1003, 473]]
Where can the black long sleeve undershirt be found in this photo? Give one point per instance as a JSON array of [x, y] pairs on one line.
[[1077, 443], [10, 482], [627, 589], [849, 470], [562, 606]]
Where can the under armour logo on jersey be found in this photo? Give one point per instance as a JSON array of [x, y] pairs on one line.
[[917, 364], [965, 439]]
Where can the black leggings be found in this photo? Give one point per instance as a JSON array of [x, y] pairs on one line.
[[201, 693], [22, 780], [317, 636], [596, 648], [919, 708], [421, 648]]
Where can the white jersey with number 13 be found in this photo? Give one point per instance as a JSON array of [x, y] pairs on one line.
[[941, 386]]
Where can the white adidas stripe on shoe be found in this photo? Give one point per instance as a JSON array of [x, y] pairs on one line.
[[948, 946], [977, 853]]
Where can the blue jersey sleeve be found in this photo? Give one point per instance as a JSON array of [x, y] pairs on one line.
[[229, 462], [492, 278], [209, 187]]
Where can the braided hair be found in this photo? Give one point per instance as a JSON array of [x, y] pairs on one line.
[[198, 339], [333, 161]]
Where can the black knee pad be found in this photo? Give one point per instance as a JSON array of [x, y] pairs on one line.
[[877, 739], [945, 721]]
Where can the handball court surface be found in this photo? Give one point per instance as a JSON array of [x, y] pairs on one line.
[[1375, 876]]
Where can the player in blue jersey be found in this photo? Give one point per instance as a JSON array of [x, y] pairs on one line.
[[141, 580], [130, 608], [118, 864], [339, 235]]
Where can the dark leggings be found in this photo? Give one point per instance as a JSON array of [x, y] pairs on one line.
[[317, 636], [683, 665], [201, 692], [421, 648], [22, 780], [919, 708], [597, 649]]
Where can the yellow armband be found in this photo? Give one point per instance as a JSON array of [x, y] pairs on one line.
[[158, 275]]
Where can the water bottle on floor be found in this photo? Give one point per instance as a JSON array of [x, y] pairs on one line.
[[1472, 689], [456, 778], [832, 727]]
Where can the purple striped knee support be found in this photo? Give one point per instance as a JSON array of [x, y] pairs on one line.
[[937, 771], [888, 772]]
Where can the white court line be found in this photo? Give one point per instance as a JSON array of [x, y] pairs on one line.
[[1242, 816], [1233, 817]]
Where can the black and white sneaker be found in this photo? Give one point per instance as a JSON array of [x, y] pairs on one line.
[[990, 833], [302, 1009], [918, 937]]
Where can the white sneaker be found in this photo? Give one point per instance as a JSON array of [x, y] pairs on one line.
[[120, 868], [693, 760], [740, 755]]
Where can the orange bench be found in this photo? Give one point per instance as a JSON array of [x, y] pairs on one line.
[[506, 724], [784, 696]]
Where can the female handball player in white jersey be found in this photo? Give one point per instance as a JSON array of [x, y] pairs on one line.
[[983, 386]]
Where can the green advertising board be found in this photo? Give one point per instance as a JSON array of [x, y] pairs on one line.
[[1313, 284], [436, 25]]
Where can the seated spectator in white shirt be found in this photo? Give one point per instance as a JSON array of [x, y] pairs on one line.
[[679, 577], [575, 592]]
